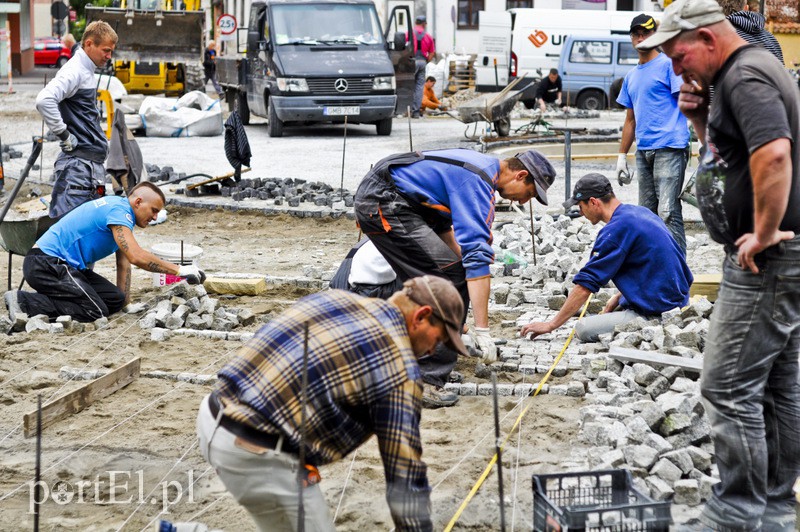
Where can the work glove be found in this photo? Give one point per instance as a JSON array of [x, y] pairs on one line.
[[68, 141], [624, 176], [192, 274], [558, 102], [485, 344]]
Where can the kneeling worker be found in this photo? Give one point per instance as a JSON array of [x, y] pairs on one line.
[[635, 250], [58, 265], [362, 379]]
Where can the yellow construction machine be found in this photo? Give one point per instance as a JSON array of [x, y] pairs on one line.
[[160, 48]]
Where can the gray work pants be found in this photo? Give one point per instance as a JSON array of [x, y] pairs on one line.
[[590, 327]]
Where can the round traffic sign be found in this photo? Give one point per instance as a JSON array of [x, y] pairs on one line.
[[58, 10], [227, 24]]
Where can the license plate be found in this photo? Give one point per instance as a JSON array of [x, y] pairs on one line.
[[341, 111]]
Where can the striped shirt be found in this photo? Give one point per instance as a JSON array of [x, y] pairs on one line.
[[750, 27], [363, 379]]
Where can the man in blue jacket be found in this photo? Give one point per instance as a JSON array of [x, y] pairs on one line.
[[432, 213], [634, 250]]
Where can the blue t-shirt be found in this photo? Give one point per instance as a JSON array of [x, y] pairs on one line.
[[459, 195], [651, 90], [83, 236], [636, 251]]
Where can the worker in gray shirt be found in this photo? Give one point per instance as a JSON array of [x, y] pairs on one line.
[[68, 105]]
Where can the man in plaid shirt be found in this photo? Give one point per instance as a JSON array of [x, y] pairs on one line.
[[363, 379]]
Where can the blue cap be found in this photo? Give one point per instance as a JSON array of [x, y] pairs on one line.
[[542, 171]]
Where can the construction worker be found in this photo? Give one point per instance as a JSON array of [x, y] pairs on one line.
[[748, 188], [362, 379], [548, 92], [432, 212], [429, 99], [424, 49], [68, 105], [634, 250], [57, 265], [210, 68]]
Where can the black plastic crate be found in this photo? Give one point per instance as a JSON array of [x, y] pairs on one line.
[[598, 501]]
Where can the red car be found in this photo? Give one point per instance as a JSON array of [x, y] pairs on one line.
[[50, 52]]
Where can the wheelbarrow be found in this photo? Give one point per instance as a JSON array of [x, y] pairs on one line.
[[493, 107], [17, 236]]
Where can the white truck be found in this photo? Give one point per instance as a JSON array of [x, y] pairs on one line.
[[528, 41]]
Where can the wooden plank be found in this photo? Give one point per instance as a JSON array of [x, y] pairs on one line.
[[655, 358], [215, 179], [706, 284], [76, 400]]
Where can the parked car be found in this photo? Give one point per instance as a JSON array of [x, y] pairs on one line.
[[50, 52]]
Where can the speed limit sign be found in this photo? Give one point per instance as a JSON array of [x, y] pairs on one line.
[[227, 27]]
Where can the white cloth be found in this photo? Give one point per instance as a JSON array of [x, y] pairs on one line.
[[369, 267]]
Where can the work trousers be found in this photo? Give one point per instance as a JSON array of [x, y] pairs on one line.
[[213, 77], [419, 85], [661, 175], [76, 182], [591, 327], [411, 245], [62, 290], [751, 390], [264, 484]]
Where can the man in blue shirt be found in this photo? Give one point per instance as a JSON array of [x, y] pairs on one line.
[[57, 266], [635, 251], [432, 213], [650, 94]]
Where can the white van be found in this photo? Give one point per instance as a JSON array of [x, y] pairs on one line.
[[526, 40]]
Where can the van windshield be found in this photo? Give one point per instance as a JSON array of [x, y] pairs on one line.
[[326, 24]]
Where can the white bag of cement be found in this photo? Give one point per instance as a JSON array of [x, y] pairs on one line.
[[194, 114], [112, 85], [437, 70]]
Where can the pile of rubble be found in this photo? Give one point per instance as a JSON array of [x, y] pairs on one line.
[[41, 323], [9, 152], [185, 308]]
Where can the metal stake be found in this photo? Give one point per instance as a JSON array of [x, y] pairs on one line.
[[41, 161], [181, 252], [498, 450], [301, 471], [567, 164], [37, 490], [533, 240], [344, 147], [410, 142]]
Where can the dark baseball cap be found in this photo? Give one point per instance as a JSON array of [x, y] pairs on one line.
[[441, 295], [542, 171], [589, 186], [421, 19], [643, 21]]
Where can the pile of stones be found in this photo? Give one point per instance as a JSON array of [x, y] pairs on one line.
[[9, 152], [41, 323], [167, 173], [186, 306]]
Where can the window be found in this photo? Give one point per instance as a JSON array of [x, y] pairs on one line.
[[627, 54], [468, 13], [513, 4], [598, 52]]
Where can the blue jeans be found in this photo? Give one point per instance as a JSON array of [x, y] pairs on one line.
[[751, 391], [660, 184]]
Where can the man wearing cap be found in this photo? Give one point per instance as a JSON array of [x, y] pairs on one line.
[[635, 251], [362, 379], [748, 188], [432, 212], [424, 50], [650, 95]]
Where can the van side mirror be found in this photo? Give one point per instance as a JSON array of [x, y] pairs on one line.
[[399, 41], [253, 43]]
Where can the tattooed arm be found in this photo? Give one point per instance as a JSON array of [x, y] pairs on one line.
[[124, 275], [137, 256]]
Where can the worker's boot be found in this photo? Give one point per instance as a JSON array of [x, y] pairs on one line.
[[437, 396], [12, 304]]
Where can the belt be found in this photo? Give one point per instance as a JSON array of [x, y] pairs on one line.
[[100, 189], [251, 435]]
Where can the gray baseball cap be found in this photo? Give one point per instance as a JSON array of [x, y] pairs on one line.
[[542, 171], [684, 15]]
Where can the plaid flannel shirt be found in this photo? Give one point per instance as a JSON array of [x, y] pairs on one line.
[[363, 379]]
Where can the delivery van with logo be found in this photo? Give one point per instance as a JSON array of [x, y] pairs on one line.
[[527, 41]]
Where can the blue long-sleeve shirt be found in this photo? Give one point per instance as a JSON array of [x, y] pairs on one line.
[[637, 252], [459, 195]]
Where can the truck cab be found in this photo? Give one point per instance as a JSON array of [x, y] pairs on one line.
[[309, 61]]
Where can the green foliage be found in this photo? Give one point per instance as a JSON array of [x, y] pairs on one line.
[[77, 27]]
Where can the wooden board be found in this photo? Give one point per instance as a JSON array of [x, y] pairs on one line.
[[75, 401], [655, 358], [706, 284], [215, 179]]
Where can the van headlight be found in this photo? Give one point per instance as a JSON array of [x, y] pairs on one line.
[[292, 85], [384, 83]]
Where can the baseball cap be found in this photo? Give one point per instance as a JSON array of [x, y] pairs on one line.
[[589, 186], [643, 21], [684, 15], [542, 171], [441, 295], [421, 19]]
